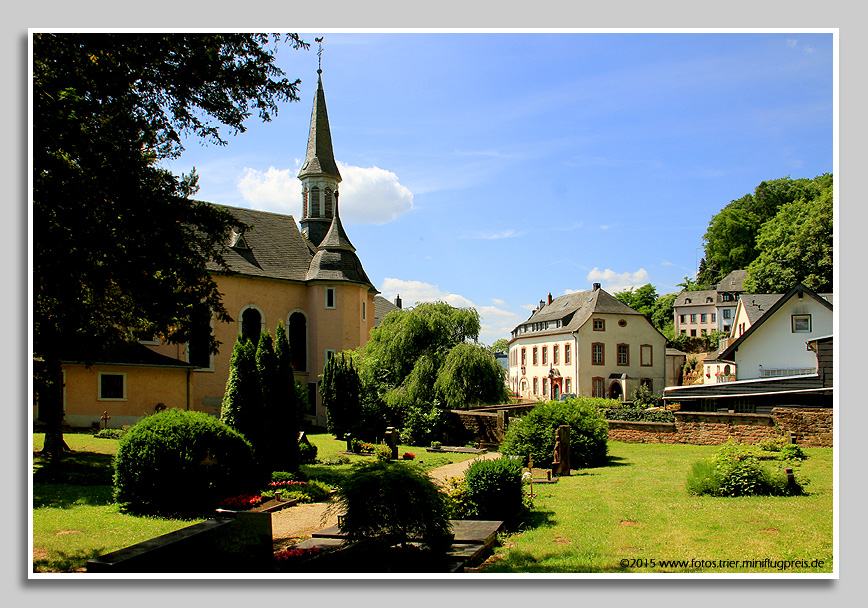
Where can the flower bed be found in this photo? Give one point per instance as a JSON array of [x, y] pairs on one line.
[[240, 503]]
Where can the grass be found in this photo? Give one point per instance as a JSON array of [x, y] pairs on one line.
[[74, 518], [638, 509], [329, 447]]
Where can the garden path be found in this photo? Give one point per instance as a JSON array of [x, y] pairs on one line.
[[298, 523]]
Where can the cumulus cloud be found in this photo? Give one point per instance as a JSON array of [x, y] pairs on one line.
[[369, 195], [276, 190], [495, 321], [614, 281]]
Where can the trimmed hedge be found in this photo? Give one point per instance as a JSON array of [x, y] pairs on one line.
[[494, 489], [534, 433], [181, 462]]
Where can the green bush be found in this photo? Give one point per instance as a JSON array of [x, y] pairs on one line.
[[310, 491], [643, 397], [771, 444], [635, 414], [111, 433], [383, 452], [306, 453], [279, 476], [396, 502], [792, 451], [178, 462], [736, 470], [534, 433], [494, 489]]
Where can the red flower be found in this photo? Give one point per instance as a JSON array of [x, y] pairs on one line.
[[296, 553], [409, 456]]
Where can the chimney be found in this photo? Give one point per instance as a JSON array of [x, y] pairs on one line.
[[398, 301], [541, 304], [596, 286], [550, 299]]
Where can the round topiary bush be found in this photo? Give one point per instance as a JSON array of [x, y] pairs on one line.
[[534, 433], [494, 489], [394, 502], [180, 462]]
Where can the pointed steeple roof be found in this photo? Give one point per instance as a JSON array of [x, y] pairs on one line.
[[336, 258], [320, 157], [336, 238]]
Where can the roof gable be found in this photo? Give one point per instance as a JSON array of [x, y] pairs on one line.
[[729, 353]]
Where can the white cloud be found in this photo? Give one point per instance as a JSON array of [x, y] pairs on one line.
[[498, 302], [495, 321], [276, 190], [367, 195], [614, 282], [372, 195], [503, 234]]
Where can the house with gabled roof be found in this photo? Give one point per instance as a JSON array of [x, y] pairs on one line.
[[305, 274], [698, 313], [782, 352], [585, 343]]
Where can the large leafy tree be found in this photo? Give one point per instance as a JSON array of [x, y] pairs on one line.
[[470, 376], [119, 250], [795, 246], [731, 238], [640, 299]]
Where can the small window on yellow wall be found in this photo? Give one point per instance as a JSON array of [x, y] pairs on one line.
[[330, 297], [112, 387]]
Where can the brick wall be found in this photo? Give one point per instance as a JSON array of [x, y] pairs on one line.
[[812, 427]]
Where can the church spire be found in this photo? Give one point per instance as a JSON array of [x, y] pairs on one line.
[[319, 175]]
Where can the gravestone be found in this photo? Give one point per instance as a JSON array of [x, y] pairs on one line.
[[392, 441], [561, 462]]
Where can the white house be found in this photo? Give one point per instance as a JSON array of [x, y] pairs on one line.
[[770, 331], [586, 343]]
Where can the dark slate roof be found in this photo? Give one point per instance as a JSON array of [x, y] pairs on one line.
[[272, 248], [696, 297], [734, 281], [757, 304], [336, 258], [576, 308], [320, 157], [129, 353], [382, 307]]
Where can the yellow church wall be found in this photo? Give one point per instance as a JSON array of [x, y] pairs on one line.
[[144, 388]]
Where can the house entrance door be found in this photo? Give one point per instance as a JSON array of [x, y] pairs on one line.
[[615, 390]]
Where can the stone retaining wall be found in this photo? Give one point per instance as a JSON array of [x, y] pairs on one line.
[[812, 428]]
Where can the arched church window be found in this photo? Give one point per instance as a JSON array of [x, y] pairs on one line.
[[298, 341], [251, 324]]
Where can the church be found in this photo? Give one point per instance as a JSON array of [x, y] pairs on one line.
[[306, 275]]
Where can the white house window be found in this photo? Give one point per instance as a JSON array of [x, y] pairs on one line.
[[112, 387], [330, 297], [693, 318], [801, 324], [726, 313]]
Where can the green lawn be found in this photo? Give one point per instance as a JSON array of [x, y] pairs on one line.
[[74, 518], [637, 509]]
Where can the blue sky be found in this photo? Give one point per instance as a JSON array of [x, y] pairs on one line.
[[492, 169]]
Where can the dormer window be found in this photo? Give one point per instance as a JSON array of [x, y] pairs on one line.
[[237, 241], [687, 300]]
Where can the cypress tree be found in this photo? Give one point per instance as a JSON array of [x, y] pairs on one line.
[[266, 367], [341, 394], [242, 401], [286, 415]]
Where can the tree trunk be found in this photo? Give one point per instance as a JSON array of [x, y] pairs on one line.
[[50, 409]]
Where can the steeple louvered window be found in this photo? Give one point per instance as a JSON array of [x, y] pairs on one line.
[[315, 203]]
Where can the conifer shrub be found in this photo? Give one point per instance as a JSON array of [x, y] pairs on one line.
[[181, 462], [306, 453], [395, 502], [534, 433], [494, 489]]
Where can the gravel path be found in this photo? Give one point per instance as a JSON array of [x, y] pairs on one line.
[[294, 524]]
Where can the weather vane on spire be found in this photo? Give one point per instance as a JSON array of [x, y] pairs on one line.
[[319, 55]]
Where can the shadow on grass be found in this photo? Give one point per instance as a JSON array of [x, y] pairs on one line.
[[77, 468], [65, 562], [522, 561], [617, 461], [65, 496]]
